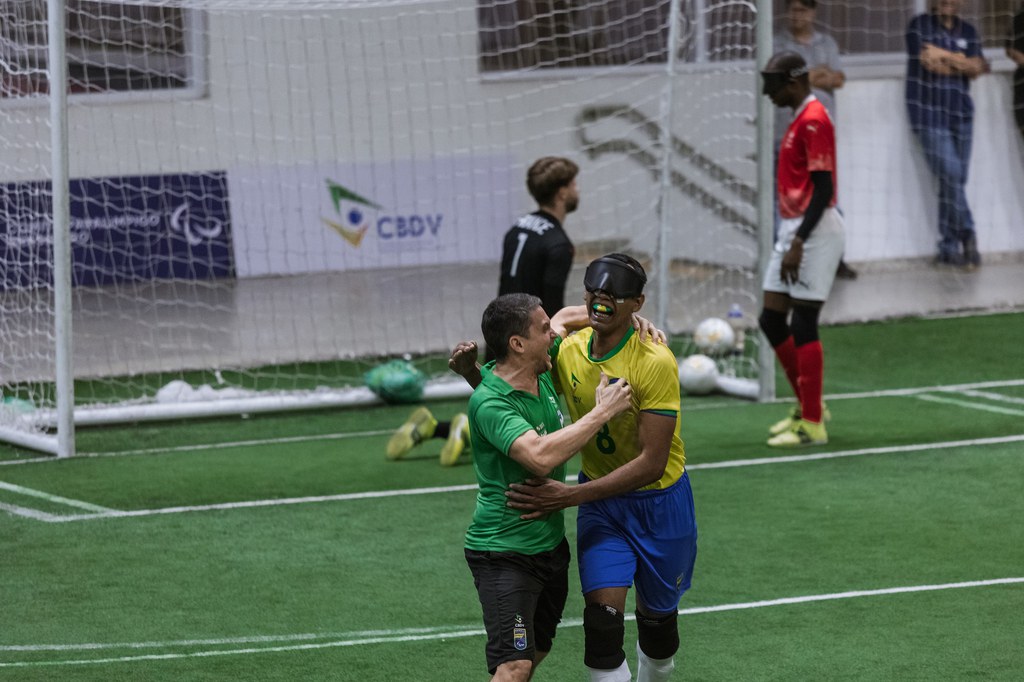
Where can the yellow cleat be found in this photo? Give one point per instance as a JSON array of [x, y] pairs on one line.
[[417, 428], [790, 421], [802, 433], [458, 440]]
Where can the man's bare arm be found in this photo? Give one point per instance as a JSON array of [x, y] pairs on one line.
[[540, 454], [538, 497]]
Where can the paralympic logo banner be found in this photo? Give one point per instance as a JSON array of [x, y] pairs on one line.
[[317, 217], [123, 229]]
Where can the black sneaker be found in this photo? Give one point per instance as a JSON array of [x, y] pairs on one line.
[[971, 255], [949, 260]]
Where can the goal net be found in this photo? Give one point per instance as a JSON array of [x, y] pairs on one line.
[[267, 199]]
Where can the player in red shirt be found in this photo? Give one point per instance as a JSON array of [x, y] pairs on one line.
[[807, 250]]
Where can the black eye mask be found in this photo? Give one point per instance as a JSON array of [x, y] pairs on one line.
[[614, 277]]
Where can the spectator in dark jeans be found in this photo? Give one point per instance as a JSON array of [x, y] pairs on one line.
[[944, 56]]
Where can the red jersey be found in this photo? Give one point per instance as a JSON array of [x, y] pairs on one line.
[[809, 145]]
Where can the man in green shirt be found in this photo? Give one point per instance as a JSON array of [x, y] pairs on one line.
[[519, 566]]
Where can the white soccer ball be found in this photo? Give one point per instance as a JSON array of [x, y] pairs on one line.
[[714, 336], [698, 374]]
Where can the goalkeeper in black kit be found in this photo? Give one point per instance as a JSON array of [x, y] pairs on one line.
[[536, 254], [536, 259]]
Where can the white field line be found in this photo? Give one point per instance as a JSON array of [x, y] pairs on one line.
[[898, 449], [997, 397], [415, 634], [30, 492], [28, 513], [970, 404], [894, 392], [248, 504], [33, 460], [207, 446], [888, 393]]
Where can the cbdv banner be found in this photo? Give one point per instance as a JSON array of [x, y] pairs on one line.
[[328, 216], [123, 229]]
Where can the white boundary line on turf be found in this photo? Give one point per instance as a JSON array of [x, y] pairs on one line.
[[997, 397], [57, 499], [972, 405], [420, 634], [895, 392], [29, 513], [220, 641], [898, 449], [205, 446], [895, 449], [248, 504]]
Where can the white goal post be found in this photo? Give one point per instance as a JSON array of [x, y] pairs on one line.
[[269, 197]]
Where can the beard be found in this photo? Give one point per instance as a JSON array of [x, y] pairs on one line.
[[572, 204]]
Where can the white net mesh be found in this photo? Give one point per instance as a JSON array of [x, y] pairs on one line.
[[275, 195], [263, 189]]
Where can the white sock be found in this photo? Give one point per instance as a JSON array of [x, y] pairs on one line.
[[620, 674], [653, 669]]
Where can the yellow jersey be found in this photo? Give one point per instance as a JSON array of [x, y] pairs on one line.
[[650, 369]]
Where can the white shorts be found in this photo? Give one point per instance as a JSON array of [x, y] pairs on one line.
[[822, 252]]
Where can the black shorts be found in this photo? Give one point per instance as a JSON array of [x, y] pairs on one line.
[[522, 596]]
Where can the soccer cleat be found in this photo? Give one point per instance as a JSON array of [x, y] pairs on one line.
[[417, 428], [786, 424], [458, 440], [802, 433]]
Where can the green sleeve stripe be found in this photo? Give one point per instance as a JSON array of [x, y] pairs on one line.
[[663, 413]]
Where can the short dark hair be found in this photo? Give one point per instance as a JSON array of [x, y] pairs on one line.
[[809, 4], [505, 317], [547, 175]]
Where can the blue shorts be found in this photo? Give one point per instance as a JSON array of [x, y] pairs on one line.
[[646, 538]]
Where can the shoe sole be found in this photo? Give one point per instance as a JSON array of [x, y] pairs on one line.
[[451, 451], [405, 439], [800, 444], [449, 455], [401, 443]]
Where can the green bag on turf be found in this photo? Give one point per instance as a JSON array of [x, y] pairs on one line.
[[396, 381]]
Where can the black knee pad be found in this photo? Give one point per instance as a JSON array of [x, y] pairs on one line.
[[658, 637], [805, 324], [773, 324], [604, 630]]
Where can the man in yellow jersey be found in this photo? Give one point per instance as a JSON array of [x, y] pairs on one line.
[[636, 522]]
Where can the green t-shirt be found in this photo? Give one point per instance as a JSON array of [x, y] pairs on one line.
[[498, 415]]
